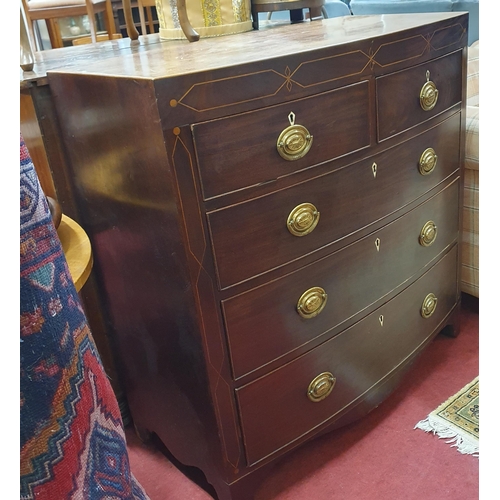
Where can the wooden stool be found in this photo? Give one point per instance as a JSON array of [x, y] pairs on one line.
[[294, 6]]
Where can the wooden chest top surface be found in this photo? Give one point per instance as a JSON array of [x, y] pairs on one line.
[[153, 58]]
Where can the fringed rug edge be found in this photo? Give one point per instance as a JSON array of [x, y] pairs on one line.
[[446, 431]]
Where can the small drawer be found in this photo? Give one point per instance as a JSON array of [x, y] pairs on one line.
[[409, 97], [256, 236], [260, 146], [291, 401], [269, 321]]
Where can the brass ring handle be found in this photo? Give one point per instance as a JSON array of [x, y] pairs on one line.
[[321, 387], [312, 302], [428, 305], [295, 141], [428, 234], [428, 94], [302, 219], [428, 161]]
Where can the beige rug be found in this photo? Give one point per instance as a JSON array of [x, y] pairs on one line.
[[457, 420]]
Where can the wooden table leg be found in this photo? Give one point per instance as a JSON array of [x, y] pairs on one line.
[[255, 19], [296, 15], [27, 57], [54, 33], [315, 13]]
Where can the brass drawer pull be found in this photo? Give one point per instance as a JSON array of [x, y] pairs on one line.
[[428, 161], [428, 305], [321, 387], [295, 141], [428, 94], [428, 234], [303, 219], [312, 302]]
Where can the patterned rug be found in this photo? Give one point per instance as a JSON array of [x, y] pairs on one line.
[[72, 438], [457, 420]]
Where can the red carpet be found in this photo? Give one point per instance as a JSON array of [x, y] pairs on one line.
[[378, 457]]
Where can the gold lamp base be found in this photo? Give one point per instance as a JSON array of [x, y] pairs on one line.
[[206, 18]]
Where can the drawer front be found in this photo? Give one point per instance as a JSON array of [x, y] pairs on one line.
[[265, 323], [241, 151], [253, 237], [398, 94], [276, 409]]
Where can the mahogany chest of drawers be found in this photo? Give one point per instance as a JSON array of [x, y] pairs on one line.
[[275, 223]]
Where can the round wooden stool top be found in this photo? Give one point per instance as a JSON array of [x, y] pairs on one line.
[[77, 249]]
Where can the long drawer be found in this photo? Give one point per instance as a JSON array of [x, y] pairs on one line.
[[280, 407], [399, 102], [241, 151], [256, 236], [272, 320]]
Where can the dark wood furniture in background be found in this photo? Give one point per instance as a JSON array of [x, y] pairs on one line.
[[294, 6], [275, 223], [51, 11], [145, 23], [147, 11]]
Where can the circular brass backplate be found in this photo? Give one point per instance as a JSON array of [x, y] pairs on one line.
[[294, 142], [429, 305], [302, 219], [428, 234], [312, 302], [428, 96], [427, 162], [321, 387]]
